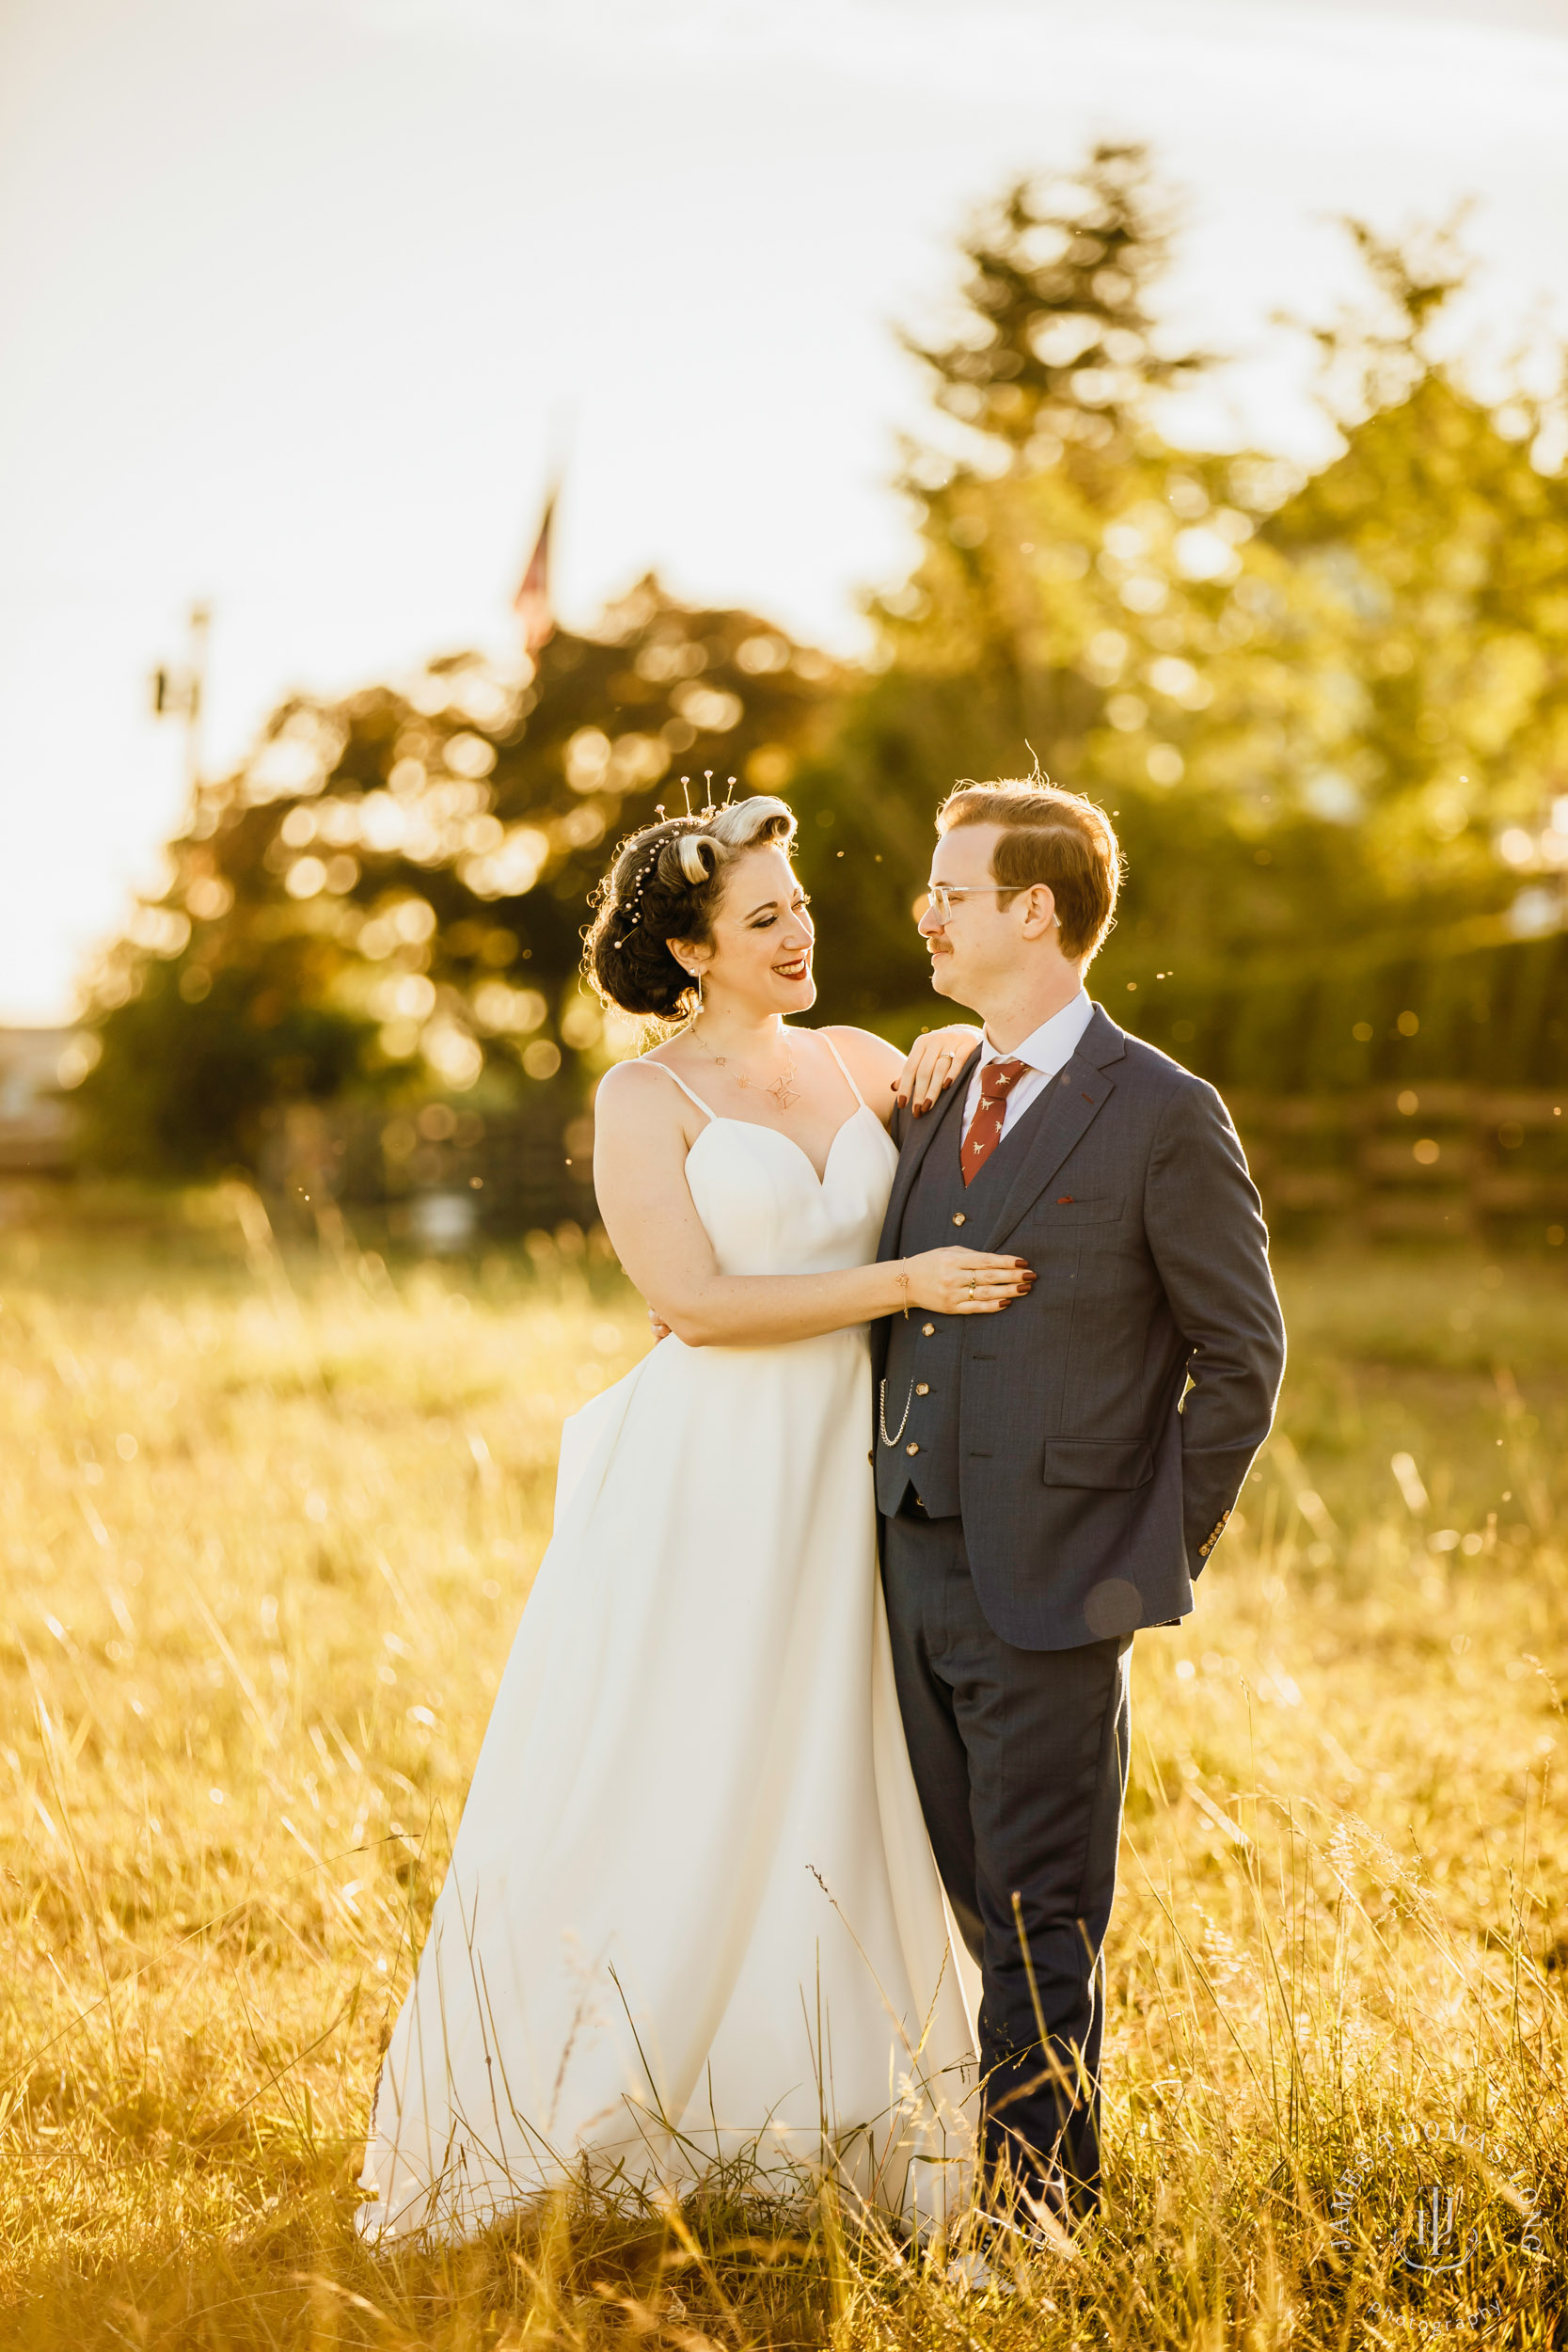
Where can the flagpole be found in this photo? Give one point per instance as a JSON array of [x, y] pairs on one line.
[[201, 618], [179, 694]]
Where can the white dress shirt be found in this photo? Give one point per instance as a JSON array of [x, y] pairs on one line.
[[1044, 1051]]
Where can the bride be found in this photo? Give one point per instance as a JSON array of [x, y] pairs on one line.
[[692, 1913]]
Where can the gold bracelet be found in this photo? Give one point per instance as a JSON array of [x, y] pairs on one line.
[[904, 1288]]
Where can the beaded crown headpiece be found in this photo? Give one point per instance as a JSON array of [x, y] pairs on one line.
[[632, 903]]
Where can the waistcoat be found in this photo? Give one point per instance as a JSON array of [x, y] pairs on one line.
[[925, 1351]]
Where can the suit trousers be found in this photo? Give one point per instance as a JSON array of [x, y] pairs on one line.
[[1021, 1758]]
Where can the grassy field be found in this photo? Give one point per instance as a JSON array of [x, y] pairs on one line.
[[267, 1530]]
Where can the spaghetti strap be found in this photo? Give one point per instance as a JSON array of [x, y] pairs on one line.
[[844, 1067], [686, 1091]]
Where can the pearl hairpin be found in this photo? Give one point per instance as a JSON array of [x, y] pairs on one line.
[[632, 903]]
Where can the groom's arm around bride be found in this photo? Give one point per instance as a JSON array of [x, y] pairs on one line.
[[1052, 1479]]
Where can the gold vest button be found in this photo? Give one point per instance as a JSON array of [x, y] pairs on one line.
[[959, 1219], [926, 1329], [911, 1449], [923, 1387]]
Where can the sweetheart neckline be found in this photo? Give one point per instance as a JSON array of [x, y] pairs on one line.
[[716, 1119]]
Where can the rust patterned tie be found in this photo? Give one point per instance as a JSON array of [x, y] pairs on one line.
[[997, 1081]]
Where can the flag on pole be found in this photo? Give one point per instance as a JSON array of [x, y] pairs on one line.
[[531, 603]]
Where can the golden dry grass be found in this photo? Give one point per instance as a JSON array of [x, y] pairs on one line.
[[267, 1530]]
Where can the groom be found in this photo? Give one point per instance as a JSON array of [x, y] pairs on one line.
[[1054, 1476]]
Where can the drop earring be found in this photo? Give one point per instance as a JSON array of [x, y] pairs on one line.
[[696, 978]]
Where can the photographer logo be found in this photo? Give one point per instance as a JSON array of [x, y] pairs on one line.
[[1418, 2202]]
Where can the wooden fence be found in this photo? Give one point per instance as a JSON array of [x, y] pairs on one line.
[[36, 1127], [1434, 1162], [433, 1177], [1437, 1161]]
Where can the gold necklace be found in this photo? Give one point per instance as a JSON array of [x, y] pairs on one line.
[[784, 1091]]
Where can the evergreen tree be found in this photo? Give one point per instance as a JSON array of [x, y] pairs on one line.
[[1059, 343], [1066, 554]]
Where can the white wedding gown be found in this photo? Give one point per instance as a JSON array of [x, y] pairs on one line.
[[691, 1911]]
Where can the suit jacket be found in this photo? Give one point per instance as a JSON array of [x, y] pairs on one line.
[[1106, 1422]]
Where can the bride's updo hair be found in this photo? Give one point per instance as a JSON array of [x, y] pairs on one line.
[[664, 885]]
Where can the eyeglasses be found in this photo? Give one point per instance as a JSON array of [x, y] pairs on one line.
[[941, 895]]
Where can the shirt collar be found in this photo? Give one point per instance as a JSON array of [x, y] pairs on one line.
[[1053, 1043]]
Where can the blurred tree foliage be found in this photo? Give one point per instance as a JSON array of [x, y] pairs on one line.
[[389, 897], [1427, 613], [1329, 715], [1313, 705]]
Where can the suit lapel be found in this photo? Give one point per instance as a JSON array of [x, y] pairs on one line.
[[923, 1135], [1072, 1101]]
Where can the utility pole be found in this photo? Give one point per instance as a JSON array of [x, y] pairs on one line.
[[178, 693]]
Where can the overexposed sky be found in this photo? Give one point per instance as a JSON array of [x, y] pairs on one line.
[[296, 292]]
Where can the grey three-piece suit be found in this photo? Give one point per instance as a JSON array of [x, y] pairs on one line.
[[1050, 1479]]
